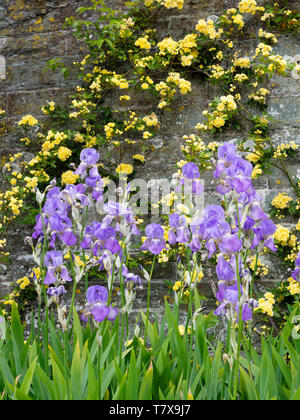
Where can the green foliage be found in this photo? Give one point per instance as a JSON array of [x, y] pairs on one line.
[[174, 361], [80, 367]]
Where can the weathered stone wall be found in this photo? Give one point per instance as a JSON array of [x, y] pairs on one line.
[[31, 32]]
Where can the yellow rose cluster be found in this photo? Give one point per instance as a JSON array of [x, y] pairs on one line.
[[178, 285], [260, 95], [267, 35], [283, 149], [141, 158], [23, 282], [254, 156], [68, 177], [281, 201], [50, 106], [265, 304], [168, 46], [168, 4], [28, 120], [143, 43], [217, 119], [208, 29], [257, 171], [261, 268], [247, 6], [167, 89], [83, 108], [173, 4], [125, 27], [293, 287], [182, 328], [64, 153], [243, 62], [233, 17], [282, 235], [124, 168]]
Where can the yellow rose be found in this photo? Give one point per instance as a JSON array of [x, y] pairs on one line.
[[124, 168]]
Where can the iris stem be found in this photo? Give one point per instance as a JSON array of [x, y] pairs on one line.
[[74, 291], [148, 298], [83, 251], [123, 300], [240, 329], [240, 323], [43, 290], [250, 296]]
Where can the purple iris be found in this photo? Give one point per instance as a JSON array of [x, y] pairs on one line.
[[98, 237], [207, 228], [229, 298], [96, 294], [56, 291], [296, 272], [74, 194], [255, 211], [234, 172], [214, 212], [191, 175], [224, 271], [190, 170], [117, 212], [154, 242], [130, 277], [230, 243], [226, 154], [215, 231], [97, 297], [54, 261], [54, 205], [263, 235], [239, 175], [88, 158], [179, 231], [56, 214], [61, 226]]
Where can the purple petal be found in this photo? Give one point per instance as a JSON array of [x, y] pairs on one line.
[[154, 231], [246, 312], [89, 156], [211, 247], [190, 170], [230, 243], [65, 274], [96, 294], [113, 313], [50, 277], [68, 238], [113, 245], [224, 271], [100, 312]]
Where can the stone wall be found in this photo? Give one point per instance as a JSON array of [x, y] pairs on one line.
[[31, 32]]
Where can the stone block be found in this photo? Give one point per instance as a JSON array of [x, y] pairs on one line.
[[32, 76], [30, 102], [285, 111]]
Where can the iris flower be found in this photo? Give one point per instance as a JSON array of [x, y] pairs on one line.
[[54, 261], [154, 242], [97, 297]]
